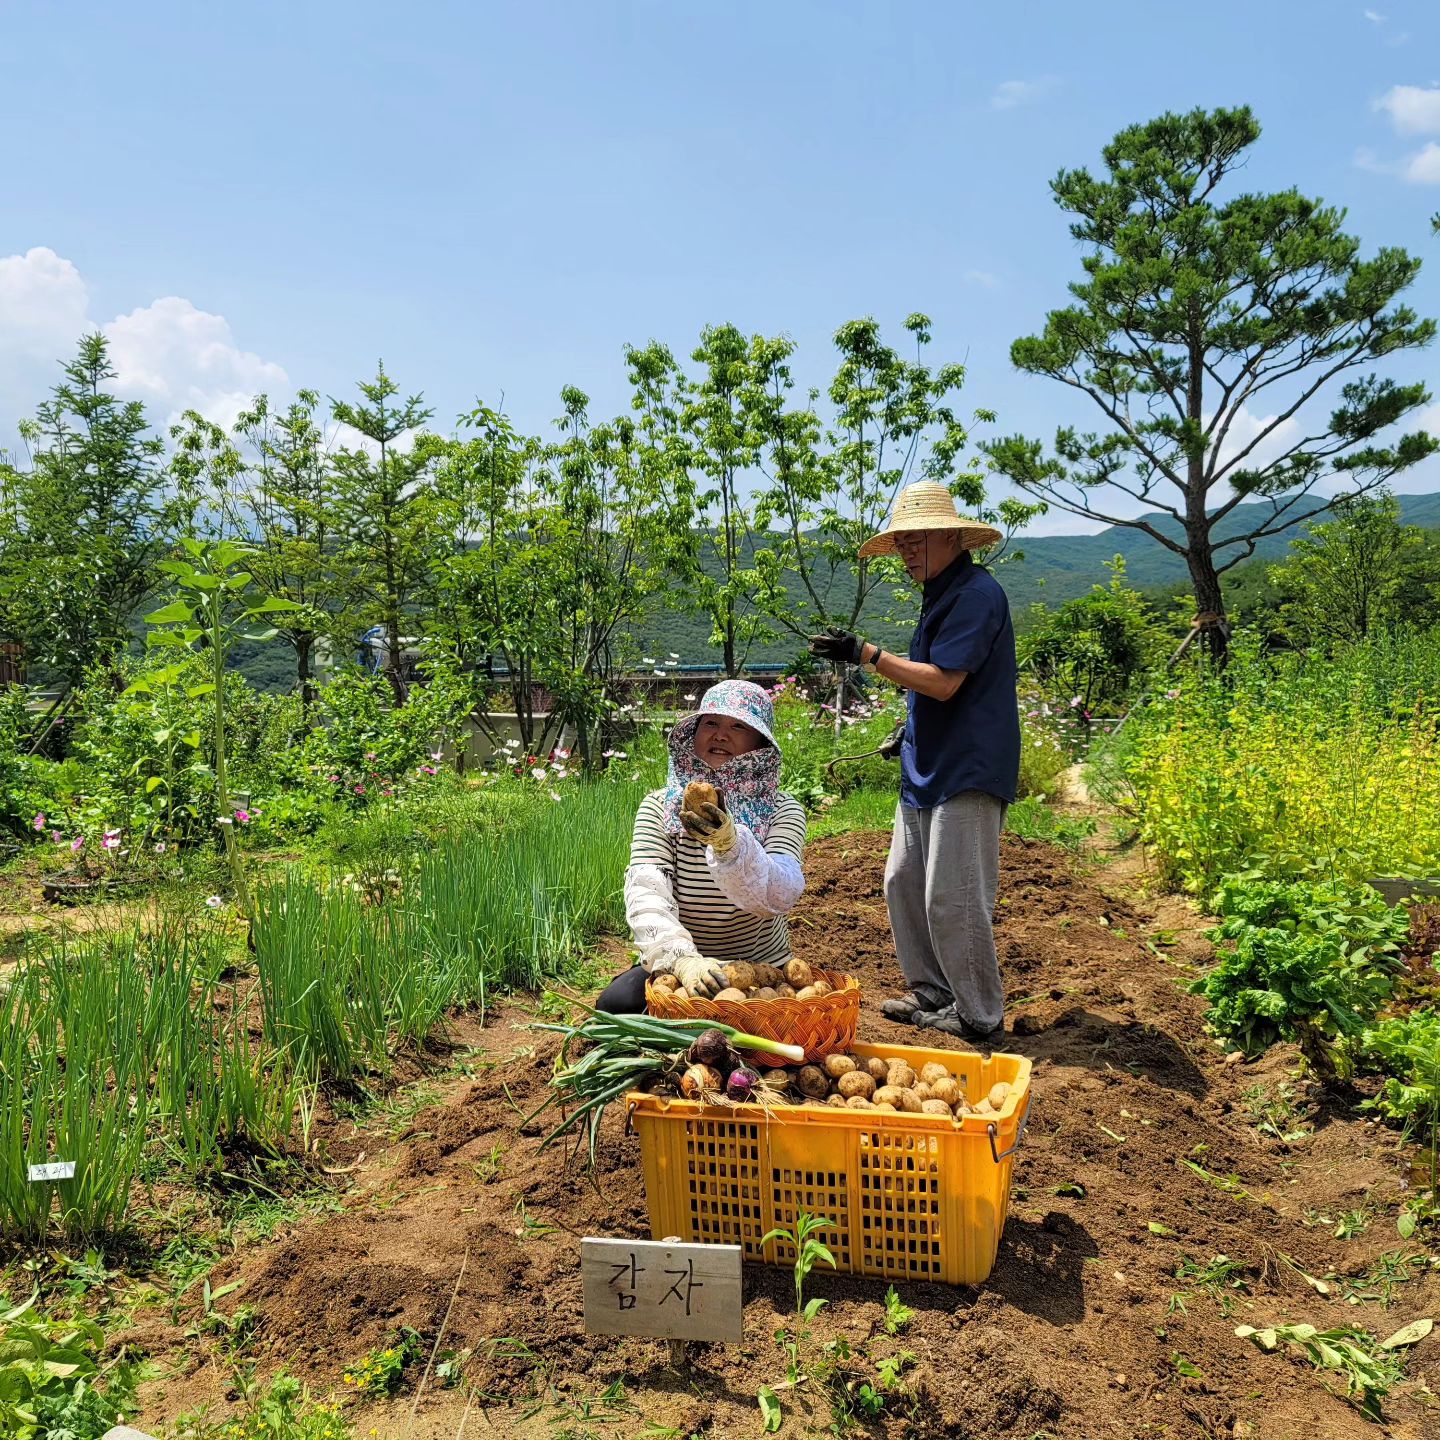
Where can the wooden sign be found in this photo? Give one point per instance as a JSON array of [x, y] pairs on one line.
[[662, 1288]]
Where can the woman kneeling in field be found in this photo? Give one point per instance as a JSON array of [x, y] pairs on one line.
[[711, 881]]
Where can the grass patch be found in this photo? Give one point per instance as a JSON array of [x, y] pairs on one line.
[[859, 810], [1032, 819]]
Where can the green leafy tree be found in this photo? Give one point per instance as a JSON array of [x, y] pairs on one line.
[[609, 541], [389, 516], [1349, 575], [209, 612], [1195, 310], [283, 506], [1094, 647], [697, 429], [491, 576], [719, 449], [826, 487], [566, 546], [83, 527]]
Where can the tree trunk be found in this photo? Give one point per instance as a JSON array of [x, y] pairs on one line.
[[303, 645], [732, 669], [392, 670], [1209, 601]]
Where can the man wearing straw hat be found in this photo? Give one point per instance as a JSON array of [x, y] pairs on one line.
[[959, 765]]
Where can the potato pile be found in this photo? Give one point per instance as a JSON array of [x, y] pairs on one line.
[[849, 1082], [794, 981]]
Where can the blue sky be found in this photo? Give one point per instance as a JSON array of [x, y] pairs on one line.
[[497, 198]]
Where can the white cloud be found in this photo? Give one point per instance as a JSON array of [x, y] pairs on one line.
[[1413, 110], [346, 437], [176, 357], [170, 354], [1423, 167], [43, 308], [1245, 428], [1373, 16], [983, 278], [1011, 93]]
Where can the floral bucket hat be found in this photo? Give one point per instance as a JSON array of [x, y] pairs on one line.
[[750, 782]]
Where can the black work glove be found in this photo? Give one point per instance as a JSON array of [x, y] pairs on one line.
[[889, 748], [836, 644]]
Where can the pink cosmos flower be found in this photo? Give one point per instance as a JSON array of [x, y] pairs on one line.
[[78, 843], [333, 779], [39, 821], [359, 789], [56, 836], [428, 770], [159, 847], [243, 816], [110, 840]]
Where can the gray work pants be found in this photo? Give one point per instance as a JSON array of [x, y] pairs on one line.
[[940, 885]]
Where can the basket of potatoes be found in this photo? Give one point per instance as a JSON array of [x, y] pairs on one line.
[[796, 1003]]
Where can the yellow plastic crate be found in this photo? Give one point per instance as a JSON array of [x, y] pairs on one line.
[[913, 1197]]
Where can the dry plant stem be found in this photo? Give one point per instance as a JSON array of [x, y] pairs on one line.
[[435, 1349], [465, 1414]]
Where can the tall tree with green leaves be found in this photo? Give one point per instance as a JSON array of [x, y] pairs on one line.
[[826, 486], [1348, 576], [389, 515], [720, 450], [698, 426], [612, 537], [283, 506], [87, 521], [566, 546], [1225, 340]]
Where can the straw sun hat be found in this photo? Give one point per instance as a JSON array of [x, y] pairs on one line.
[[927, 505]]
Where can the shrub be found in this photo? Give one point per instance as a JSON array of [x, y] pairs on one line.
[[1407, 1048], [51, 1383], [1305, 962], [1289, 762], [26, 782]]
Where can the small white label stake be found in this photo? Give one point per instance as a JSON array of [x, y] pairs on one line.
[[54, 1170]]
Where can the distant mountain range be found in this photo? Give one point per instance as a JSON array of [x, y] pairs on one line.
[[1057, 568]]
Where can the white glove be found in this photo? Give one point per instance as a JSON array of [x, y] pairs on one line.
[[700, 976]]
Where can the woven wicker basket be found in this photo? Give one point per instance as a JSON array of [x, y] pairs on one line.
[[821, 1026]]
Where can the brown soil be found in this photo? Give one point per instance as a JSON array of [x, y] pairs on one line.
[[1075, 1336]]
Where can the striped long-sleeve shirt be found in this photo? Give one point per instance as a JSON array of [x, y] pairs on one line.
[[681, 898]]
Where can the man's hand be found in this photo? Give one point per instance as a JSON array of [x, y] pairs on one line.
[[711, 826], [700, 976], [889, 748], [837, 644]]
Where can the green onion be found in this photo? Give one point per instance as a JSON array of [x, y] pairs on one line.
[[626, 1051]]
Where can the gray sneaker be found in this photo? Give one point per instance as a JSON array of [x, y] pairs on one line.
[[903, 1008], [948, 1021]]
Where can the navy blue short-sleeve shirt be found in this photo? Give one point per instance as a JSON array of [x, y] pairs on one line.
[[972, 740]]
